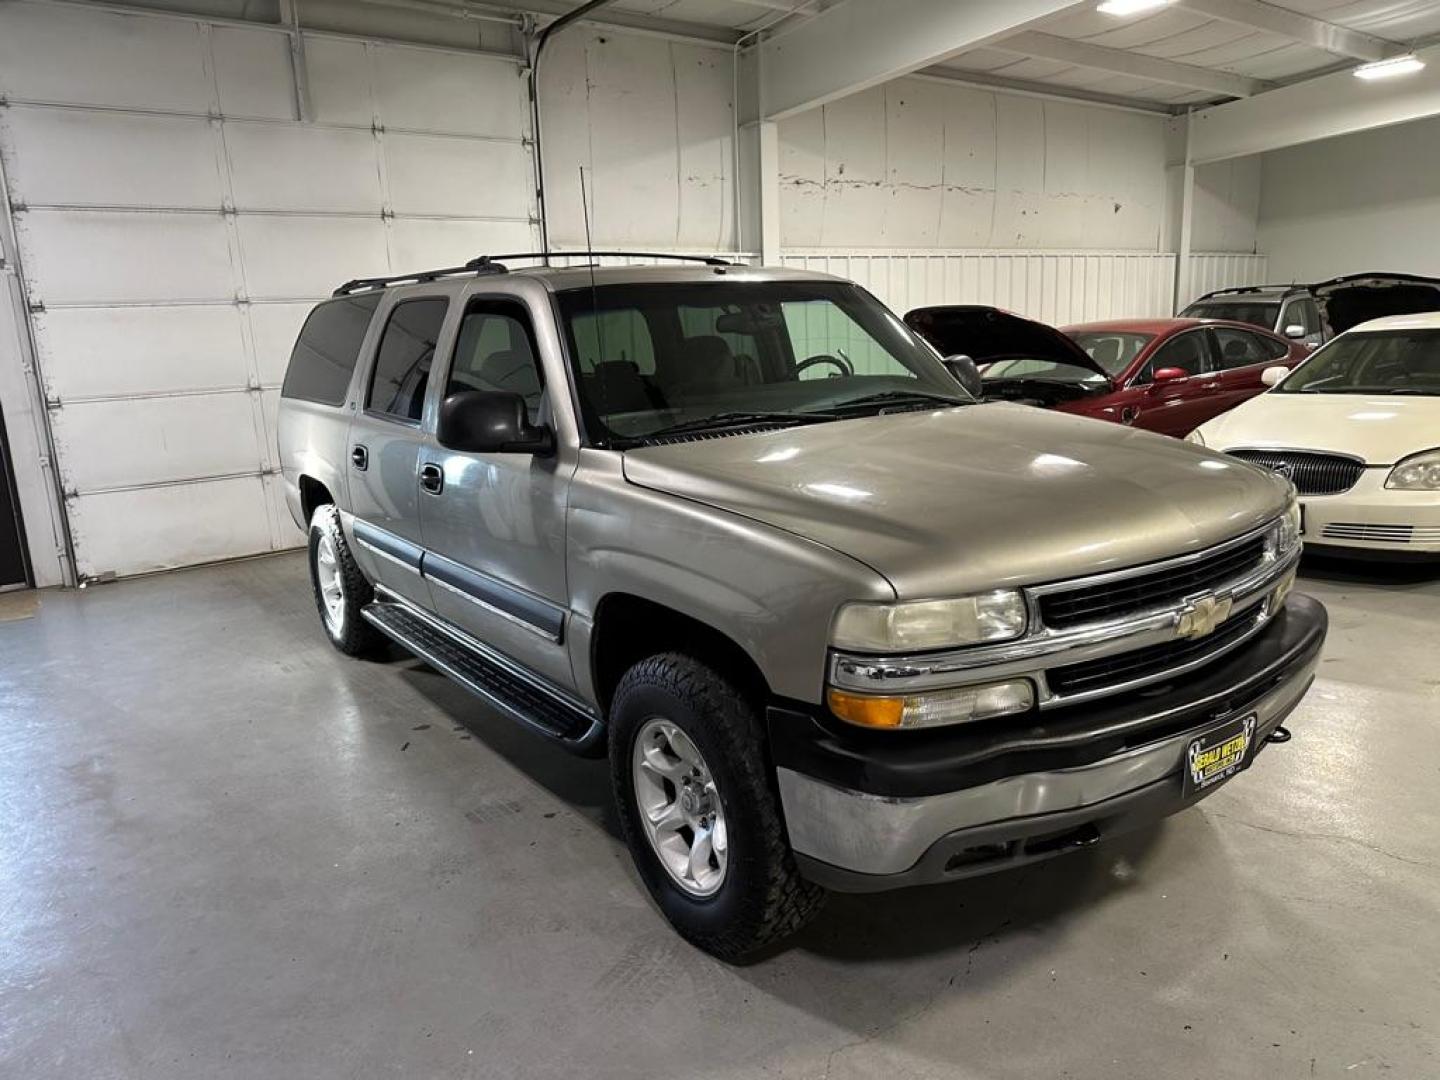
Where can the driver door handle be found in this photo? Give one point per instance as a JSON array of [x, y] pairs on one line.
[[432, 479], [360, 458]]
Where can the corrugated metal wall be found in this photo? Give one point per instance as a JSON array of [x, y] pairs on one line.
[[176, 221], [1212, 270], [1055, 287]]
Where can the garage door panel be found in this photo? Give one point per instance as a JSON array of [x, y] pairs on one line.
[[109, 444], [291, 257], [420, 245], [95, 257], [70, 157], [99, 58], [283, 167], [429, 90], [270, 413], [464, 177], [131, 532], [253, 73], [339, 73], [115, 352], [273, 329]]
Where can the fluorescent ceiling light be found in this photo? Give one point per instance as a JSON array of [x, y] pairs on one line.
[[1385, 69], [1130, 7]]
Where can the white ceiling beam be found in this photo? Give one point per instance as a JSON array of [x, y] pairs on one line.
[[1124, 62], [856, 44], [1306, 29], [1335, 104]]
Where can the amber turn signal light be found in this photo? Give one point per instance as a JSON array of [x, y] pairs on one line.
[[873, 712]]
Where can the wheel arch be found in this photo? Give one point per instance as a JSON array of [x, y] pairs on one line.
[[628, 628], [313, 495]]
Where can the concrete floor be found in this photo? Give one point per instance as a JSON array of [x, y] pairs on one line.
[[228, 851]]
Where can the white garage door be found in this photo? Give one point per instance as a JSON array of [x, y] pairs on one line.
[[176, 220]]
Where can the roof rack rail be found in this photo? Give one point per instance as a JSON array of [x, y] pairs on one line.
[[1236, 290], [495, 264]]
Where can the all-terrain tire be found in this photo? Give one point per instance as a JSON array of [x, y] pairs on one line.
[[340, 616], [762, 898]]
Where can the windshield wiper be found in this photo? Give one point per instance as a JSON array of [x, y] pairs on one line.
[[736, 419], [887, 397]]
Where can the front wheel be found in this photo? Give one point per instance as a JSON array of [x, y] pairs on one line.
[[340, 588], [698, 810]]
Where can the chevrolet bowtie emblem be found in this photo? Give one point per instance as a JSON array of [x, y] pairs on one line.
[[1200, 617]]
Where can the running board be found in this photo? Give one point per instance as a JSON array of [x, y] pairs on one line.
[[500, 683]]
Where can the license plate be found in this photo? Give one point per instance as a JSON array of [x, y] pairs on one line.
[[1219, 754], [1302, 519]]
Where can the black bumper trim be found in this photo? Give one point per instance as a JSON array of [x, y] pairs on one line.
[[914, 764]]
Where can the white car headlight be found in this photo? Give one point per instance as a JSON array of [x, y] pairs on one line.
[[1419, 472], [1196, 438], [930, 624]]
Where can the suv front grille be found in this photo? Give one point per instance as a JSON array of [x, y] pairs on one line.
[[1112, 672], [1312, 473], [1128, 595]]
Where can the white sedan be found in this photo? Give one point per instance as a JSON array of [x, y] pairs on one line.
[[1357, 428]]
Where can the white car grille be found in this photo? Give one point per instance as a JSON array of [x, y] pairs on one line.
[[1381, 534]]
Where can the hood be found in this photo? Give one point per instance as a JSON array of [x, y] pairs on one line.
[[1380, 430], [973, 498], [1355, 298], [987, 334]]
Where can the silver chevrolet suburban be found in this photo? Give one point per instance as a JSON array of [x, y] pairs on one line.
[[836, 625]]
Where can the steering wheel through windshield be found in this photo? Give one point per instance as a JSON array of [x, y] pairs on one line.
[[839, 362]]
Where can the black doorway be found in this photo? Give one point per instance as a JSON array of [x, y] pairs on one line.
[[13, 568]]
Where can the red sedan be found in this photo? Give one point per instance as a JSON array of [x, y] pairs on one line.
[[1166, 375]]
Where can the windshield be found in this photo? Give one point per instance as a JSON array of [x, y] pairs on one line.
[[1388, 362], [1113, 350], [657, 359], [1255, 312], [1041, 371]]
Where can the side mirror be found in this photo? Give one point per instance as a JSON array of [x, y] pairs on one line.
[[489, 422], [1295, 331], [1274, 376], [966, 374], [1169, 374]]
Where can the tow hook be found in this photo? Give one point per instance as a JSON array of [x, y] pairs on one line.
[[1281, 734]]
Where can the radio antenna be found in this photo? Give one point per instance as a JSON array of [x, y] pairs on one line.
[[594, 295]]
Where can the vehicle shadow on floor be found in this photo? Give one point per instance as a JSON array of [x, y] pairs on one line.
[[861, 928], [1389, 575], [581, 783], [852, 928]]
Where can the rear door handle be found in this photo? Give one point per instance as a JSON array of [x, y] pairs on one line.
[[432, 479], [360, 458]]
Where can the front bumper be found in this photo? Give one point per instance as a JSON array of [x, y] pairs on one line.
[[869, 810], [1371, 519]]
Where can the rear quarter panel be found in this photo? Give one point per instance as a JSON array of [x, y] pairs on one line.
[[312, 442]]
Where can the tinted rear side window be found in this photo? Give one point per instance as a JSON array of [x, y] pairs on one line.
[[402, 363], [329, 344]]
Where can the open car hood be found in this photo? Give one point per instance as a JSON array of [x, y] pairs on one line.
[[1356, 298], [987, 334]]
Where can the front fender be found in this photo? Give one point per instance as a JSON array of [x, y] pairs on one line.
[[773, 593]]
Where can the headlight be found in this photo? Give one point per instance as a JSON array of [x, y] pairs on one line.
[[1287, 531], [1420, 472], [930, 624], [1196, 438], [935, 708]]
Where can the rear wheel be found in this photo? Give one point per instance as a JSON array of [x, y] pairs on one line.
[[340, 588], [698, 810]]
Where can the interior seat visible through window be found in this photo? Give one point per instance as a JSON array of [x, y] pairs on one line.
[[495, 351]]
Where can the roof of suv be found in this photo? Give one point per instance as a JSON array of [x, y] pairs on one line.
[[692, 270]]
